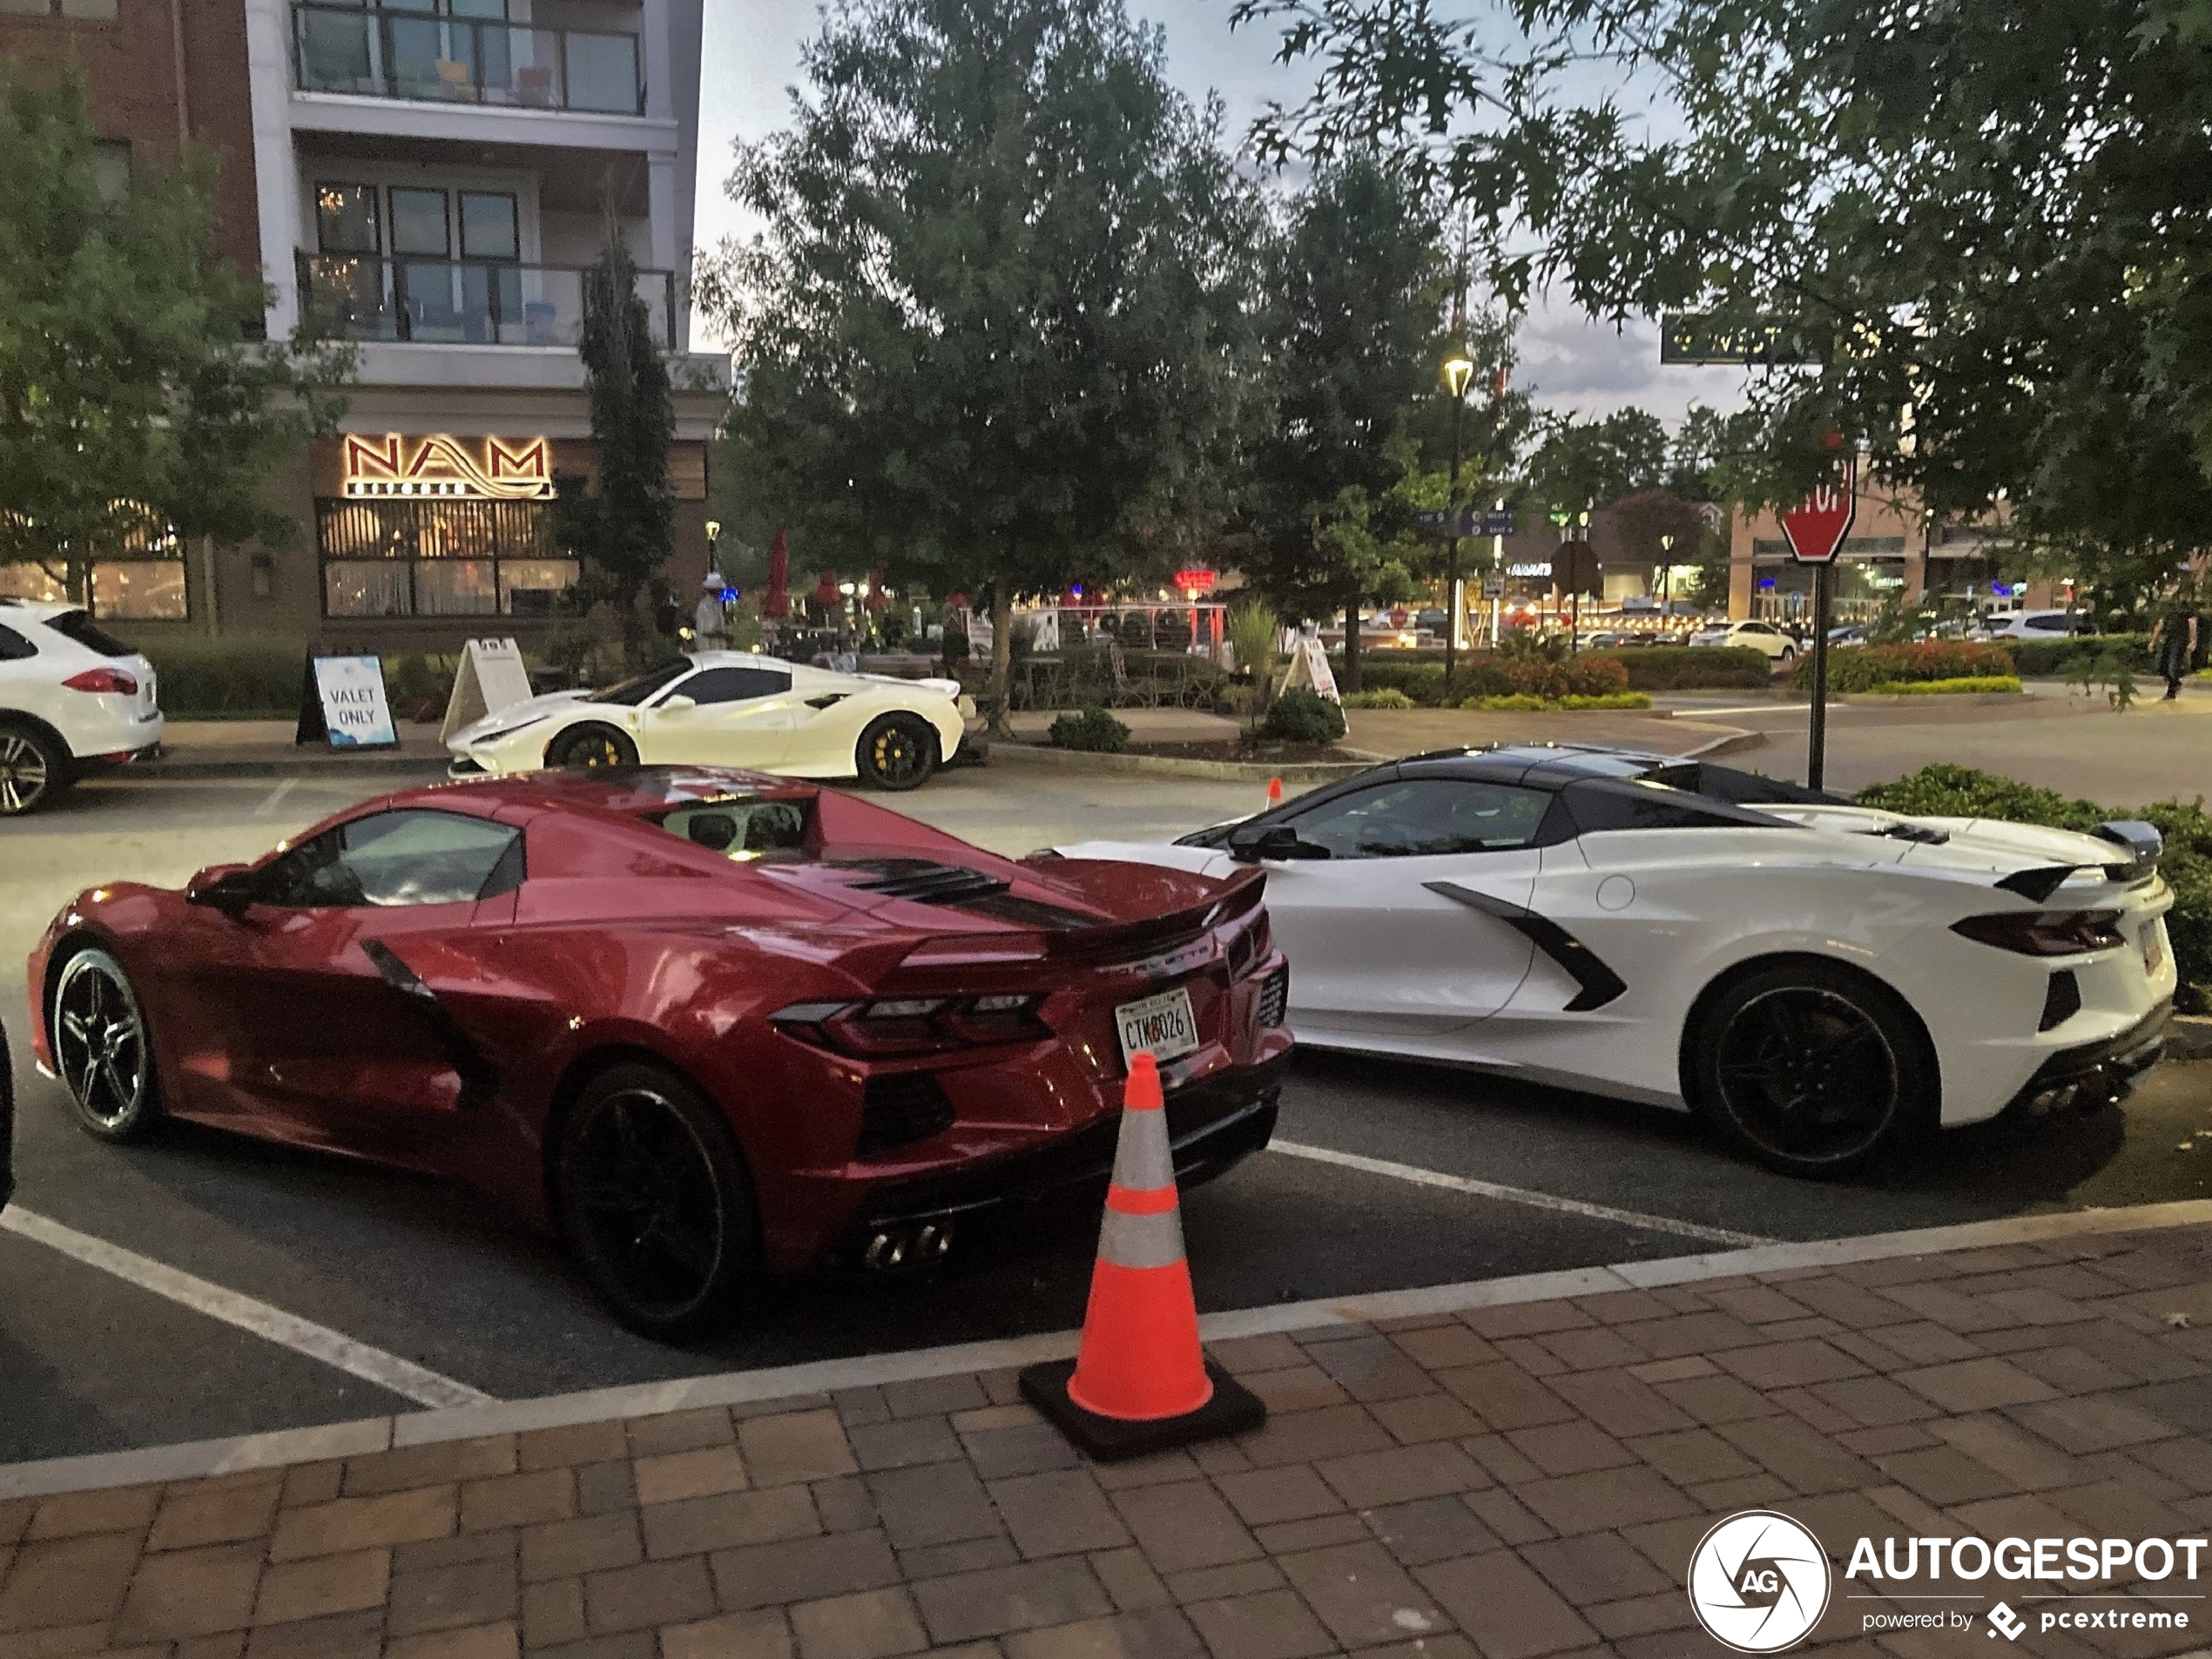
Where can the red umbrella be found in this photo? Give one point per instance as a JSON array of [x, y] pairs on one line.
[[826, 590], [777, 602], [956, 600], [875, 601]]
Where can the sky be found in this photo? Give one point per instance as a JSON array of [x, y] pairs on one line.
[[1566, 362]]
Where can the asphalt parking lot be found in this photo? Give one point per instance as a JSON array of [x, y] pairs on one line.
[[1386, 1175]]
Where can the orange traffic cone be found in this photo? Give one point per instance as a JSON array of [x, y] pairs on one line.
[[1274, 792], [1141, 1382]]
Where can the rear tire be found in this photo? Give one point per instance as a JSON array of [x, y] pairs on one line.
[[102, 1048], [1811, 1069], [592, 747], [34, 769], [897, 753], [656, 1206]]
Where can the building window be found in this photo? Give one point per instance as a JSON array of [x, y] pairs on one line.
[[84, 10], [439, 559]]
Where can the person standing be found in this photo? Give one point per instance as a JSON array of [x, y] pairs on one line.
[[2173, 639], [709, 623]]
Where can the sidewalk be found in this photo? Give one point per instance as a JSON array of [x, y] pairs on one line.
[[1507, 1470], [264, 749]]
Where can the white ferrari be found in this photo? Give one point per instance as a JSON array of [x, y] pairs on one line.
[[1818, 978], [724, 708]]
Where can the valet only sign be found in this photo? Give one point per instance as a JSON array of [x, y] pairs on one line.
[[1760, 1582], [345, 703]]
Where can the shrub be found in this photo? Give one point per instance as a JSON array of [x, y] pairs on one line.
[[1975, 685], [1511, 702], [1383, 697], [1421, 683], [1596, 677], [1962, 791], [197, 678], [1094, 730], [1302, 715], [2065, 659], [1687, 668], [1523, 700], [1861, 668]]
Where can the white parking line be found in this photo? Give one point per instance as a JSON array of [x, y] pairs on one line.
[[1517, 1195], [387, 1371], [268, 808]]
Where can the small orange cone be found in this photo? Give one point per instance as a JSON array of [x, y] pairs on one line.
[[1274, 792], [1141, 1382]]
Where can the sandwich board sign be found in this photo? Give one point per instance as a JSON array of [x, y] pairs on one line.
[[1310, 668], [491, 676], [343, 703]]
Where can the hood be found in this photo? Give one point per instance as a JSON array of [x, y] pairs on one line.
[[514, 717]]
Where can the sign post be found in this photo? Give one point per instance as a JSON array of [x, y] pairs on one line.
[[1816, 530]]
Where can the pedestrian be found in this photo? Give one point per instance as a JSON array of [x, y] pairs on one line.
[[711, 626], [2173, 639]]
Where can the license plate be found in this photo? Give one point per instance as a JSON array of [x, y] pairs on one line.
[[1164, 1023], [2153, 948]]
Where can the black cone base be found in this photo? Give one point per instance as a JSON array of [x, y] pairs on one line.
[[1234, 1409]]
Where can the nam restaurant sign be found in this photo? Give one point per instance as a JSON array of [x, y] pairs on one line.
[[464, 468]]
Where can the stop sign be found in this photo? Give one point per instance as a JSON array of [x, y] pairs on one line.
[[1816, 527]]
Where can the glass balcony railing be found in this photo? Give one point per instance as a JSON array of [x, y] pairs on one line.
[[381, 53], [463, 302]]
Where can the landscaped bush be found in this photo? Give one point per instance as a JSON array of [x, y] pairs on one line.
[[199, 678], [1864, 668], [1094, 730], [1962, 791], [1491, 675], [1421, 683], [1693, 668], [1383, 697], [1302, 715], [2065, 659], [1571, 700], [1978, 685]]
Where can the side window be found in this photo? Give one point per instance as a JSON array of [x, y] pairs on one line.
[[410, 857], [1425, 817], [732, 685], [2051, 624], [14, 648]]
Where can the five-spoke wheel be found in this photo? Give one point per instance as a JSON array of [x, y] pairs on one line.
[[33, 770], [101, 1048], [1810, 1070]]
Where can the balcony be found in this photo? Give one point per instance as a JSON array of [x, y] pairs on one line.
[[460, 60], [463, 302]]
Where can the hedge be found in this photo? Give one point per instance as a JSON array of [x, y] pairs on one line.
[[1962, 791], [1693, 668], [198, 678], [1975, 685], [2065, 659], [1523, 700], [1866, 668]]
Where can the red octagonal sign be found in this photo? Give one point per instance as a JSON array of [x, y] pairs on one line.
[[1816, 529]]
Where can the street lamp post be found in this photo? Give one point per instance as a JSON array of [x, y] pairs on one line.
[[1459, 369], [1666, 576]]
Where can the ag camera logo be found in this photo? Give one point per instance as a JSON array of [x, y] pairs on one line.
[[1758, 1582]]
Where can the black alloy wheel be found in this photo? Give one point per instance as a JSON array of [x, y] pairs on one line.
[[102, 1050], [592, 747], [33, 770], [655, 1204], [1812, 1071], [897, 753]]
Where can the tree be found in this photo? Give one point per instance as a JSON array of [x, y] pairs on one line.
[[1594, 464], [623, 532], [996, 334], [133, 406], [1989, 219], [1357, 288]]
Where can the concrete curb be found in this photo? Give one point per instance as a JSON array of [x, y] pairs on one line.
[[1736, 739], [1030, 754], [307, 766], [1898, 699], [193, 1460], [2189, 1037]]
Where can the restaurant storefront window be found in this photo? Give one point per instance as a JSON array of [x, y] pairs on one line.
[[439, 559]]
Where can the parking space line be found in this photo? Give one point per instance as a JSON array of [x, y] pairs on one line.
[[1518, 1195], [387, 1371], [268, 808]]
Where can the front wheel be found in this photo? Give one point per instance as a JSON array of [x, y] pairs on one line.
[[897, 753], [1810, 1070], [591, 748], [655, 1204], [1788, 655], [102, 1048]]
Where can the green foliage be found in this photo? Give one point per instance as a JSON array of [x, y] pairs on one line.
[[1687, 668], [1302, 715], [198, 678], [1962, 791], [1420, 683], [1094, 730], [2064, 658], [1381, 697], [1972, 685], [1532, 674], [1868, 668], [1595, 464], [1523, 700], [131, 402]]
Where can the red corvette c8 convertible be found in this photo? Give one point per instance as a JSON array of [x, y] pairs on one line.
[[710, 1025]]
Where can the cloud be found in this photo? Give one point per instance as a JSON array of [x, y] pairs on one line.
[[1571, 362]]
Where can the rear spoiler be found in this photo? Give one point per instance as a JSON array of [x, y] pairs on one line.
[[2141, 842], [1136, 943]]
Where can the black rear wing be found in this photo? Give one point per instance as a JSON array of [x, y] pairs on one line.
[[2139, 844], [1107, 942]]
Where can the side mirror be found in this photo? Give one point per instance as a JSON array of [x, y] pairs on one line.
[[1259, 842], [226, 887], [679, 706]]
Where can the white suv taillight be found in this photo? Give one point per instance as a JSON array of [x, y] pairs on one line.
[[110, 682]]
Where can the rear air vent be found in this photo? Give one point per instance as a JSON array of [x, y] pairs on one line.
[[1274, 998], [926, 883], [900, 1110], [2061, 999]]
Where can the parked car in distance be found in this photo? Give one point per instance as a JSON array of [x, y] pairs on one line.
[[2036, 624], [1751, 634], [73, 699]]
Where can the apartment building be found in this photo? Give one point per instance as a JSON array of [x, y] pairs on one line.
[[430, 179]]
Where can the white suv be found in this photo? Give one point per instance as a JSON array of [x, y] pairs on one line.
[[1752, 636], [72, 696]]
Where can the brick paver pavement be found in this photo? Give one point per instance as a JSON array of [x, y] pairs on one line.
[[1510, 1482]]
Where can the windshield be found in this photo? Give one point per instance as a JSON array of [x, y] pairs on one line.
[[636, 691]]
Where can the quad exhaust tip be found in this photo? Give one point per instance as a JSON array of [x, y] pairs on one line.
[[894, 1247]]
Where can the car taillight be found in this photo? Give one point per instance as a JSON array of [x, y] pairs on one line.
[[915, 1024], [111, 682], [2046, 932]]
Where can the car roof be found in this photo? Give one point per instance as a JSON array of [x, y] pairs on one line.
[[37, 610]]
